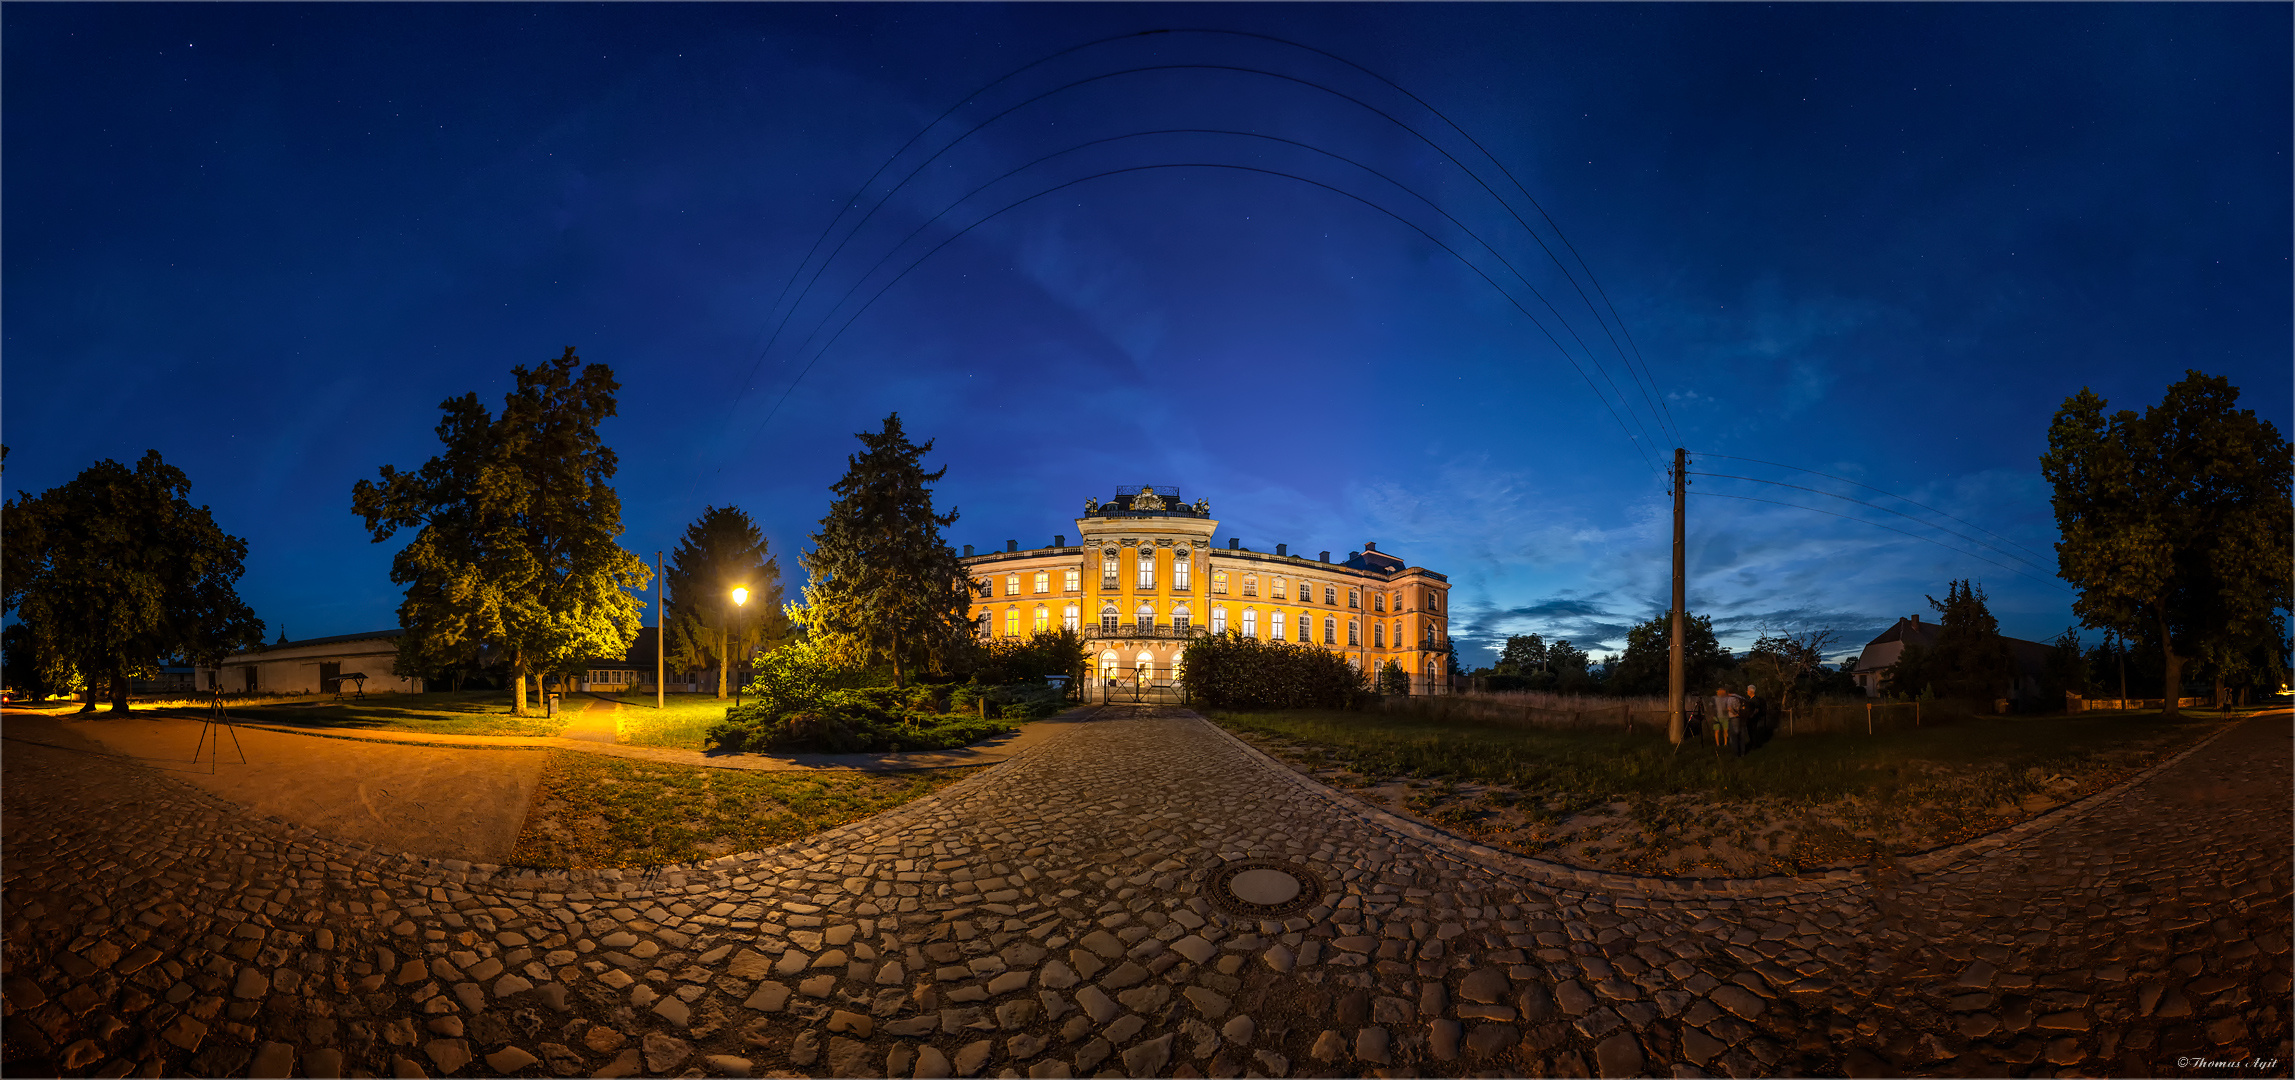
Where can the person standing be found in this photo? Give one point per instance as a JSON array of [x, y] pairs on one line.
[[1751, 712], [1725, 706]]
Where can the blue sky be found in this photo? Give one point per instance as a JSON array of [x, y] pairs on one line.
[[1881, 242]]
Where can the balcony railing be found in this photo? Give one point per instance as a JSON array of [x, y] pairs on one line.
[[1135, 630]]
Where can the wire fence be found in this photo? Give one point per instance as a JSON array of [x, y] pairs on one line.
[[1649, 715]]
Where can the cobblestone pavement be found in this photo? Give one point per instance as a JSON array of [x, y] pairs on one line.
[[1051, 918]]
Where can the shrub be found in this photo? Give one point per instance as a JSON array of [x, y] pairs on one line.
[[1233, 671]]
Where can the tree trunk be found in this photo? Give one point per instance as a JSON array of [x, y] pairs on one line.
[[518, 688], [2171, 690], [119, 694], [2219, 690]]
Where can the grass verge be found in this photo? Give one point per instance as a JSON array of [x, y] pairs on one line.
[[590, 810], [678, 724], [1632, 803], [468, 712]]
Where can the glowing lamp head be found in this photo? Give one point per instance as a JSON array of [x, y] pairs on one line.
[[740, 597]]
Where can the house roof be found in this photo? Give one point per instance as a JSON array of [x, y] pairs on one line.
[[371, 635], [2031, 656]]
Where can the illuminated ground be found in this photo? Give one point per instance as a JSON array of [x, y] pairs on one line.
[[1050, 918]]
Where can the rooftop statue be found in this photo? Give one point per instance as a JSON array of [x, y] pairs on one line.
[[1203, 507], [1091, 506]]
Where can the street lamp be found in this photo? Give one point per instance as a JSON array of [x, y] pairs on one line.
[[740, 597]]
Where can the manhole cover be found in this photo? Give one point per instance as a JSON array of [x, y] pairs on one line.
[[1264, 889]]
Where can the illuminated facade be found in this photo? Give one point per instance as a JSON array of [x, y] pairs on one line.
[[1145, 575]]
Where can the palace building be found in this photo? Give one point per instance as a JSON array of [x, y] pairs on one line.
[[1146, 574]]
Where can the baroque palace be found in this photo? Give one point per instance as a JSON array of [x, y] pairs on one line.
[[1146, 576]]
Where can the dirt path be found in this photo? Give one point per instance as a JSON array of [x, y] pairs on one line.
[[596, 722]]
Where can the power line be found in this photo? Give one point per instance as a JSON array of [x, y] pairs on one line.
[[1882, 509], [1884, 491], [1891, 528], [823, 350]]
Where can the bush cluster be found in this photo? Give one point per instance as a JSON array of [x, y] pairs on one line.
[[798, 705], [1233, 671]]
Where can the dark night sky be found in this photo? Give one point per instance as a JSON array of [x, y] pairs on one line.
[[1883, 242]]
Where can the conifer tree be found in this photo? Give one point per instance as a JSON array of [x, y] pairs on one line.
[[884, 586], [515, 529], [720, 551]]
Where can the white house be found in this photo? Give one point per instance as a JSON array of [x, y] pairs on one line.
[[316, 666]]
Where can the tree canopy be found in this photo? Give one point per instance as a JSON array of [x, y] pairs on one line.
[[515, 530], [721, 550], [1646, 669], [115, 572], [2176, 526], [884, 586], [1970, 659]]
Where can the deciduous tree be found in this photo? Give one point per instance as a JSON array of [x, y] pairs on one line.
[[884, 586], [515, 529], [2176, 524], [116, 572], [1646, 669]]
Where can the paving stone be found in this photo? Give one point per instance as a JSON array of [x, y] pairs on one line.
[[1148, 1058], [510, 1059], [1619, 1055], [971, 1056], [1371, 1045], [274, 1059], [627, 1063], [728, 1065], [447, 1054], [664, 1053], [1210, 1003], [1490, 1039], [768, 997], [931, 1063]]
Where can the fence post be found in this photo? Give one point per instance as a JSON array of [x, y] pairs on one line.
[[1916, 712], [1868, 718]]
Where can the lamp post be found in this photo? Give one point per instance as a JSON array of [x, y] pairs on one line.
[[740, 598]]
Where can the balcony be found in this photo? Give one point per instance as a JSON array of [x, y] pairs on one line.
[[1134, 630]]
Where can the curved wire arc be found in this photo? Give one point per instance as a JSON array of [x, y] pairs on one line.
[[825, 346]]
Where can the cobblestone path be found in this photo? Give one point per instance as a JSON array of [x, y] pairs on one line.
[[1051, 918]]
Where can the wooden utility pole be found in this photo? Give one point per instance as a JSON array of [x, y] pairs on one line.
[[1675, 722], [660, 632]]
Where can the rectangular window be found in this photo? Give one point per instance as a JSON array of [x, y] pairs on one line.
[[987, 587], [1330, 630], [1355, 599], [1378, 635], [1250, 623], [1012, 585], [1250, 586], [1378, 601], [1068, 620], [1275, 625], [1179, 574], [1277, 591], [1043, 581], [1072, 581], [1043, 618], [1354, 632], [1108, 571], [1108, 621], [1147, 568], [1331, 595], [1306, 626], [1012, 622], [1219, 583], [1146, 618], [1219, 620], [1181, 620]]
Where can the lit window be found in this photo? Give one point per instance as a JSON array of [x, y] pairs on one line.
[[1181, 619], [1378, 601], [1277, 591], [1250, 586], [1108, 662], [1378, 635], [1219, 619], [1331, 595], [1043, 581], [1011, 622], [1145, 665], [1072, 581], [1179, 568], [1147, 568], [1043, 618], [1219, 583], [1354, 598], [1354, 632], [1250, 622], [1069, 618], [1275, 625], [1108, 569], [1330, 630], [1108, 619], [1012, 585], [1146, 617]]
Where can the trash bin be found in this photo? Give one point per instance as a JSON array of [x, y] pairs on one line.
[[553, 704]]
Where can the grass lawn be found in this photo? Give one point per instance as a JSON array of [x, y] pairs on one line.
[[467, 712], [1631, 802], [679, 724], [592, 810]]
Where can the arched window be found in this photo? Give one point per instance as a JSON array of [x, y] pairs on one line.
[[1181, 618], [1354, 598], [1219, 583], [1043, 581], [1108, 569], [1378, 635], [1146, 617], [1070, 618], [1250, 622], [1108, 663], [1378, 601], [1011, 584], [1146, 562], [1275, 625], [1143, 665], [1277, 591], [1354, 632], [1330, 630], [1218, 618], [1043, 618], [1250, 586], [1108, 619], [1011, 622], [1179, 570]]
